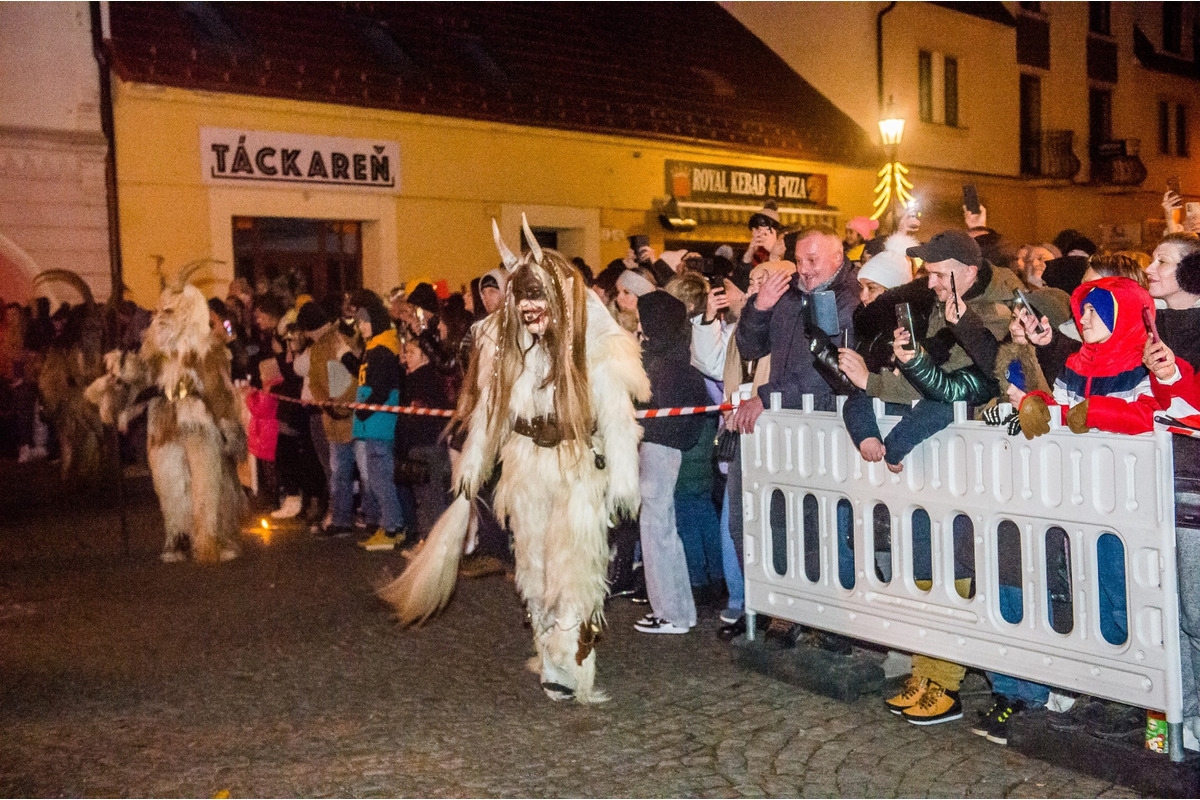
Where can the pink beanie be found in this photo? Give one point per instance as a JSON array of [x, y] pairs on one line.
[[865, 226]]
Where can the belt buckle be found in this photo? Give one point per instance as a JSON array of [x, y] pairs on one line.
[[544, 432]]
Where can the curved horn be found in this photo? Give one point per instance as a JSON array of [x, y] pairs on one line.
[[68, 277], [531, 240], [191, 268], [506, 255]]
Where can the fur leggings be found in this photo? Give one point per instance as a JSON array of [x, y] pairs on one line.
[[556, 513]]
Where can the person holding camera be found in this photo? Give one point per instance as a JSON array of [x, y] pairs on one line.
[[778, 321]]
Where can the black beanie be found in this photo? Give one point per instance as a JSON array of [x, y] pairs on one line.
[[423, 296], [370, 304], [312, 317], [1187, 274]]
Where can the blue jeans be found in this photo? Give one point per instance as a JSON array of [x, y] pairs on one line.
[[845, 542], [700, 530], [916, 424], [1110, 563], [1028, 692], [341, 483], [735, 581], [376, 465]]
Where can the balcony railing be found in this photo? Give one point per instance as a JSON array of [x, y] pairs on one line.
[[1050, 154], [1117, 163]]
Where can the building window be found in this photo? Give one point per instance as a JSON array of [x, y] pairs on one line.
[[1031, 125], [1099, 118], [1099, 18], [937, 88], [1164, 127], [1172, 129], [309, 256], [1181, 138], [951, 91], [925, 84], [1172, 27]]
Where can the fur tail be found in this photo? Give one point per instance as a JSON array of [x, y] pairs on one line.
[[425, 586]]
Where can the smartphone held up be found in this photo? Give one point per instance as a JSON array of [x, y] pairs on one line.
[[971, 198], [904, 320]]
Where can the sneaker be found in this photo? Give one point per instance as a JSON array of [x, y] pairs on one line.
[[996, 722], [998, 733], [909, 696], [1120, 722], [985, 717], [380, 540], [937, 705], [478, 565], [333, 531], [1085, 713], [653, 624], [292, 505], [730, 616], [727, 633]]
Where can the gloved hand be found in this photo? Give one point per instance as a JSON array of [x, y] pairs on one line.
[[1077, 418], [1011, 423], [1034, 415]]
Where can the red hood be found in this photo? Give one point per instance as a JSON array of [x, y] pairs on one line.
[[1123, 350]]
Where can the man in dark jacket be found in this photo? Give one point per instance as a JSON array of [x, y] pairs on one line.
[[780, 321]]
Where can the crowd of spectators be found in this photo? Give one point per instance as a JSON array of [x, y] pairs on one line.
[[1018, 333]]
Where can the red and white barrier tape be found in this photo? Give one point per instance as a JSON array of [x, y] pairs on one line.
[[649, 413]]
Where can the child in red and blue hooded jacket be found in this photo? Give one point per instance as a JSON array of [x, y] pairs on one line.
[[1104, 385]]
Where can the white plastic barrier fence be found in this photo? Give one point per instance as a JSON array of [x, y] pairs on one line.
[[974, 501]]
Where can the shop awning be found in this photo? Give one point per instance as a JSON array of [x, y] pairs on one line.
[[739, 214]]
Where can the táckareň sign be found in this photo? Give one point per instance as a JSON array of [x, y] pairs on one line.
[[229, 155], [688, 180]]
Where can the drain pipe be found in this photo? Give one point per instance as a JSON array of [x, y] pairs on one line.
[[101, 48], [879, 50]]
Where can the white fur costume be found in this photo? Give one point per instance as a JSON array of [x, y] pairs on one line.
[[559, 501], [195, 437]]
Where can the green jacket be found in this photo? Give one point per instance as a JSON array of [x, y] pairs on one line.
[[976, 340]]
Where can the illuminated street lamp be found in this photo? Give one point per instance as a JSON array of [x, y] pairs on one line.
[[891, 130], [893, 184]]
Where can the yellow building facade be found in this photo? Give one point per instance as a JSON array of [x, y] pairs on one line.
[[453, 177]]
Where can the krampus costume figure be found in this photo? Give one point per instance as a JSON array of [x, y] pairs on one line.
[[195, 437], [550, 389], [73, 361]]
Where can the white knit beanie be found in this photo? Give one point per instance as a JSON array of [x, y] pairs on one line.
[[888, 269], [891, 267], [634, 283]]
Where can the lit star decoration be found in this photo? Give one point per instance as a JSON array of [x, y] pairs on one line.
[[893, 183]]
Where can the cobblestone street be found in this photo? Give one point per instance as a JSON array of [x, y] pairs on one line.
[[279, 674]]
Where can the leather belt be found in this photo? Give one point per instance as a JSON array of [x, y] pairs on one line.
[[544, 430]]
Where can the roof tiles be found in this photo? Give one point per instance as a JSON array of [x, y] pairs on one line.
[[673, 71]]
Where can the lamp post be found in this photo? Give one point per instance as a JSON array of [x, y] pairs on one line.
[[893, 184]]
